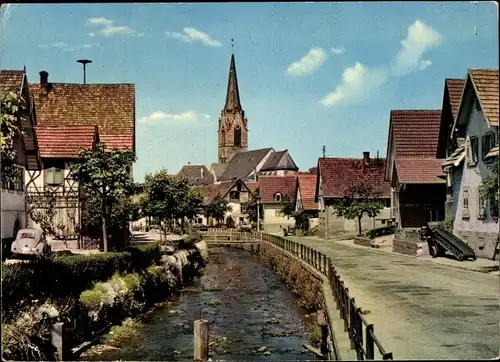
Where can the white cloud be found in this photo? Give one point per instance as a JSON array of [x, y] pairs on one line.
[[338, 51], [90, 46], [108, 29], [66, 47], [206, 116], [419, 39], [192, 35], [160, 115], [357, 82], [308, 64]]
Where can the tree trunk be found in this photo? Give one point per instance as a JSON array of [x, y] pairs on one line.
[[104, 233], [359, 225]]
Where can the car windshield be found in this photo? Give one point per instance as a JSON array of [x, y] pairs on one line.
[[28, 236]]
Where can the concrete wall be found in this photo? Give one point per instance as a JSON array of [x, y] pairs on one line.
[[273, 221], [330, 224], [480, 234]]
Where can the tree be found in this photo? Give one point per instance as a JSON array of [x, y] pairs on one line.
[[218, 209], [288, 207], [361, 199], [313, 170], [12, 109], [106, 176], [251, 207], [190, 202], [489, 188]]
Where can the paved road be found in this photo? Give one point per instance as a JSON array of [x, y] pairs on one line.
[[420, 310]]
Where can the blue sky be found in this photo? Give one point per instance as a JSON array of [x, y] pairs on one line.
[[309, 74]]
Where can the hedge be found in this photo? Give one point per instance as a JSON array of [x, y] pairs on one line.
[[384, 230], [66, 276]]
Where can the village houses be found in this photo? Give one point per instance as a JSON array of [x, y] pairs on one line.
[[14, 215], [474, 137]]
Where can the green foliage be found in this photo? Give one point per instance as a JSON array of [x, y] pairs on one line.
[[447, 224], [384, 230], [12, 108], [489, 187], [301, 220], [361, 199], [251, 207], [288, 207], [69, 275], [105, 178], [121, 334], [217, 209]]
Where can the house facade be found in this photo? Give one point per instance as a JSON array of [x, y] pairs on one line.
[[475, 132], [334, 178], [13, 192], [413, 169], [70, 118], [275, 192], [305, 199]]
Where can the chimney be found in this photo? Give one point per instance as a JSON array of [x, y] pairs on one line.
[[366, 158], [44, 78], [202, 172]]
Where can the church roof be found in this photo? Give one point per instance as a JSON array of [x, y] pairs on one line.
[[233, 102], [280, 160], [218, 169], [243, 163]]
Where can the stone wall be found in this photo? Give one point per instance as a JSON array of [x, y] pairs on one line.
[[485, 245], [407, 241]]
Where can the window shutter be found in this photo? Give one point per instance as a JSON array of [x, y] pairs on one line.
[[481, 207], [465, 203], [468, 153], [49, 176]]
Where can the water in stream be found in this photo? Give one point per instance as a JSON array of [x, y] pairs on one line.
[[247, 307]]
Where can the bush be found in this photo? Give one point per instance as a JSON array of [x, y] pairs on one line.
[[69, 275], [384, 230]]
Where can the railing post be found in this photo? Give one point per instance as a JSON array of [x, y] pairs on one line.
[[370, 348], [352, 324], [345, 304]]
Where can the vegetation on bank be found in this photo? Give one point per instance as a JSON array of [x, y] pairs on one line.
[[104, 289]]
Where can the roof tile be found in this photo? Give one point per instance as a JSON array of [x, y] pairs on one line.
[[271, 185], [338, 174], [486, 82], [11, 80], [65, 141], [419, 170], [307, 187]]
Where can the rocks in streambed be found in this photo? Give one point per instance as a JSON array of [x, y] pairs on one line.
[[273, 321]]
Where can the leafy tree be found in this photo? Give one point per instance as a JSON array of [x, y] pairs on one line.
[[489, 188], [217, 209], [105, 176], [12, 108], [313, 169], [190, 202], [288, 208], [301, 220], [361, 199]]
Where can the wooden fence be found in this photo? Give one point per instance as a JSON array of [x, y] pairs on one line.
[[361, 332]]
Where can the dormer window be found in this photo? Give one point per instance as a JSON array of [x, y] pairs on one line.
[[277, 197]]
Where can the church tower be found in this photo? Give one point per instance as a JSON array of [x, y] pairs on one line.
[[233, 130]]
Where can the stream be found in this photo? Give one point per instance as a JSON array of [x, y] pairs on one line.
[[252, 316]]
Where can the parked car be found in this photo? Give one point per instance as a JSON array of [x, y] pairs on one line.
[[30, 243]]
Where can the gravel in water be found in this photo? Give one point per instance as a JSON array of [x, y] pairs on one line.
[[252, 316]]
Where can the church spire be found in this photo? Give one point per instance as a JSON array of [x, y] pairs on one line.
[[233, 94]]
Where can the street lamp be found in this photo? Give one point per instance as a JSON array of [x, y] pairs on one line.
[[257, 201]]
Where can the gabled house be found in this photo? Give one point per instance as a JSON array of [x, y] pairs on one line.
[[413, 170], [196, 174], [245, 165], [334, 178], [13, 192], [275, 192], [305, 196], [279, 164], [475, 131], [72, 117], [238, 193]]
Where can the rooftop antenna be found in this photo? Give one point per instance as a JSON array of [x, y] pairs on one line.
[[84, 62], [232, 45], [324, 151]]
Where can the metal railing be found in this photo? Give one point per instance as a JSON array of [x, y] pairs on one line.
[[361, 332]]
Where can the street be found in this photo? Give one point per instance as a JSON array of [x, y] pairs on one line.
[[420, 310]]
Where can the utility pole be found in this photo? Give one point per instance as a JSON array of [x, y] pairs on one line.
[[84, 62], [324, 151]]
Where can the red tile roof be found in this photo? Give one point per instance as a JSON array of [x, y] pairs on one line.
[[415, 132], [455, 88], [111, 107], [271, 185], [419, 170], [11, 80], [65, 141], [209, 192], [307, 187], [486, 83], [338, 174]]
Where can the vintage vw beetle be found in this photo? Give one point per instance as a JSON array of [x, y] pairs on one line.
[[30, 243]]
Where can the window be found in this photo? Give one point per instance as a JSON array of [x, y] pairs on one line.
[[481, 207], [234, 196], [277, 197], [472, 151], [278, 213], [17, 181], [465, 203], [237, 136], [488, 143], [54, 176], [493, 207]]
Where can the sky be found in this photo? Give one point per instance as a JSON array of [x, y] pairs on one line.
[[310, 74]]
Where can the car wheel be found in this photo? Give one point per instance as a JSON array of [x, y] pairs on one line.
[[433, 251]]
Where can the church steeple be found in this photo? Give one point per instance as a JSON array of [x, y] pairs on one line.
[[233, 103], [233, 125]]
